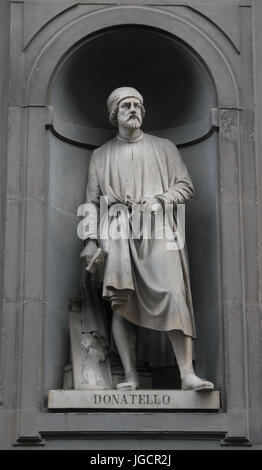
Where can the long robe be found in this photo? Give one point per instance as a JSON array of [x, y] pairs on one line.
[[150, 283]]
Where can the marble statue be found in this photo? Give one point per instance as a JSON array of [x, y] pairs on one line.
[[146, 284]]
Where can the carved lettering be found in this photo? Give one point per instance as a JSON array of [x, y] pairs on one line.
[[97, 399], [157, 401], [133, 396], [166, 399], [141, 399], [115, 399], [148, 401], [124, 400], [108, 399]]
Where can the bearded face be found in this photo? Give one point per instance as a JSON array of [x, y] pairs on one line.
[[130, 113]]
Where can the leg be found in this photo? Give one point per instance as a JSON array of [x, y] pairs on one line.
[[124, 335], [182, 346]]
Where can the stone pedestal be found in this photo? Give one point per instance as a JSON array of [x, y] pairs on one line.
[[133, 400]]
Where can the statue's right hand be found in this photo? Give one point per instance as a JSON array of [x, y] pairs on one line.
[[89, 250]]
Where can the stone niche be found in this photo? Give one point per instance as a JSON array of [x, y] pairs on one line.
[[179, 95]]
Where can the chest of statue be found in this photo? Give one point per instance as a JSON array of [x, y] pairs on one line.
[[133, 169]]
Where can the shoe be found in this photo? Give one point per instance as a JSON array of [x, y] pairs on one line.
[[190, 381]]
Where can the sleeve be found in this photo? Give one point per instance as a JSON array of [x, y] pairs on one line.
[[180, 185], [93, 193]]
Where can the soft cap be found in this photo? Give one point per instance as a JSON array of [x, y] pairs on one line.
[[121, 93]]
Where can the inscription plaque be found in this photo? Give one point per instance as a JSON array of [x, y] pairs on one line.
[[133, 399]]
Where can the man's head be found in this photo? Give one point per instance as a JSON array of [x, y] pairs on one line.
[[125, 107]]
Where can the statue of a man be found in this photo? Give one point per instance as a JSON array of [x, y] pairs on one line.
[[147, 284]]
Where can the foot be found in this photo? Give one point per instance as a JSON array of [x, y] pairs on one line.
[[131, 382], [190, 381]]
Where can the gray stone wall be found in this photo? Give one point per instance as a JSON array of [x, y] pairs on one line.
[[256, 357], [227, 36], [4, 79]]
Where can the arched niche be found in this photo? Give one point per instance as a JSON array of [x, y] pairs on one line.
[[179, 93], [177, 89]]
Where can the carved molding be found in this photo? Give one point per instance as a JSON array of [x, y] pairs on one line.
[[88, 23]]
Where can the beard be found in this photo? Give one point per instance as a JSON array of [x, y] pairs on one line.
[[131, 122]]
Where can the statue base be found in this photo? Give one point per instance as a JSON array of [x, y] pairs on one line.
[[133, 400]]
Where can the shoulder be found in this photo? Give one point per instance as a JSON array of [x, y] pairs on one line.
[[100, 153], [103, 148], [168, 149], [161, 141]]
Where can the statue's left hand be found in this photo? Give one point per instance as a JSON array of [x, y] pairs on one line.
[[151, 204]]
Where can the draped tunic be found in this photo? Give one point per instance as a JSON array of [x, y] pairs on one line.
[[148, 284]]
